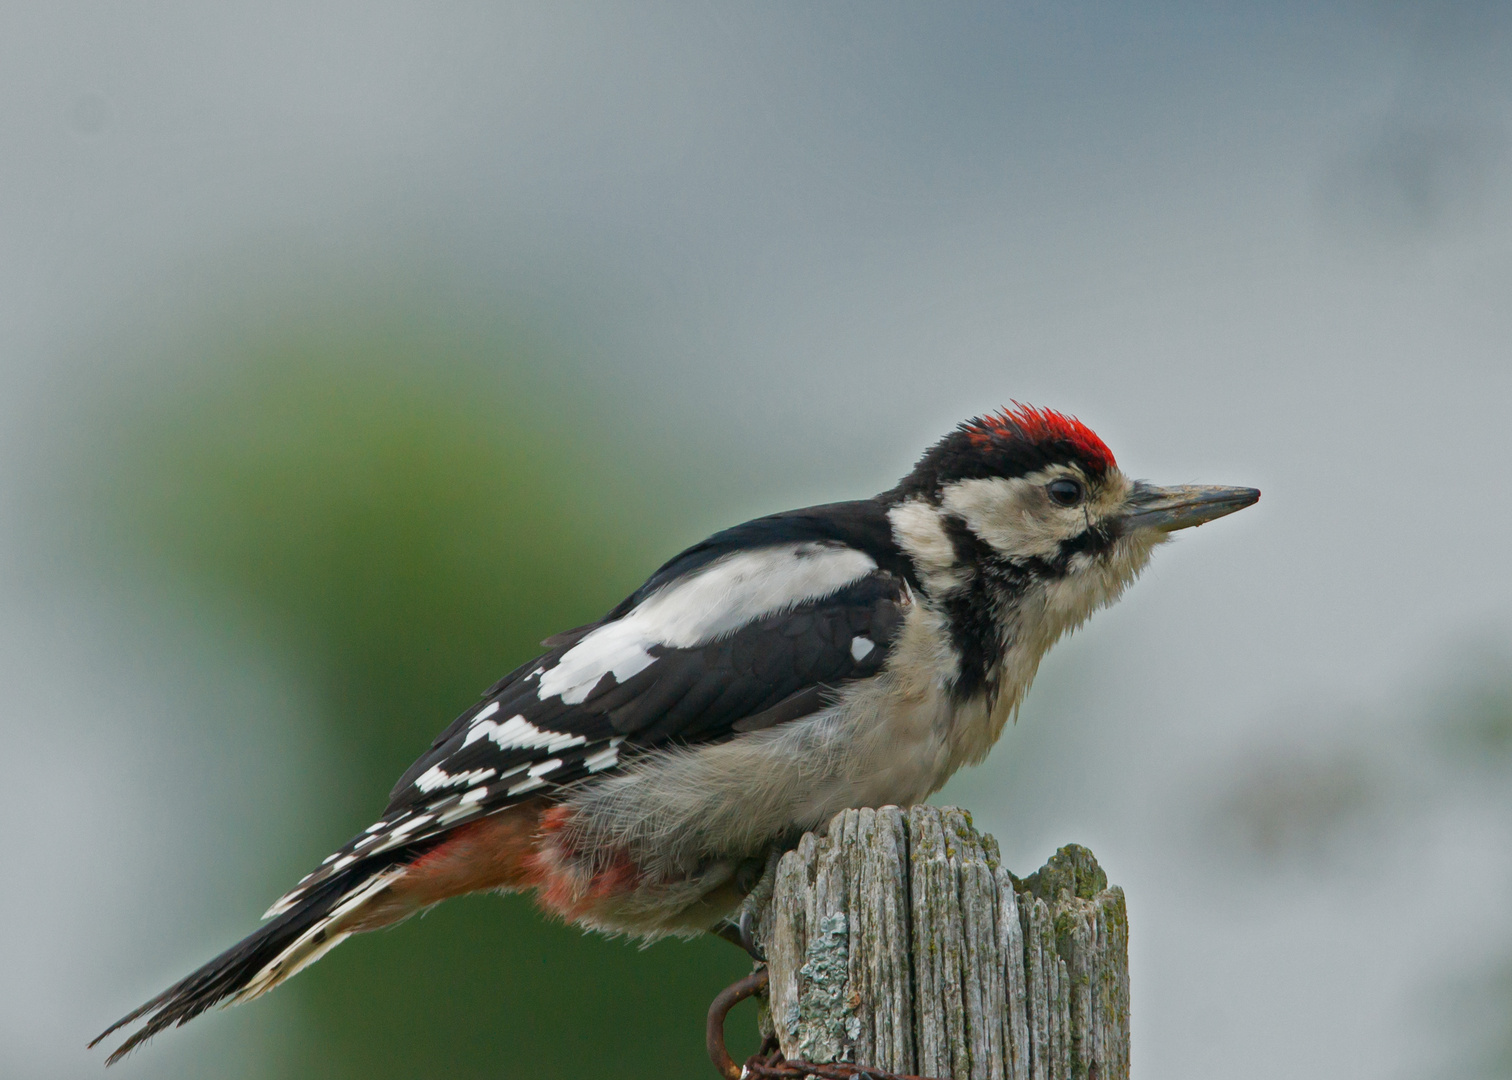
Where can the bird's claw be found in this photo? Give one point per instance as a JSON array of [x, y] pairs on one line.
[[746, 926]]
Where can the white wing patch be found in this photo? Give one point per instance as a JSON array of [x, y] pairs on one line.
[[485, 712], [533, 777], [409, 826], [718, 600], [606, 758], [714, 602], [516, 733], [436, 777], [618, 649]]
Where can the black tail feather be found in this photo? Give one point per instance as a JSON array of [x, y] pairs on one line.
[[233, 970]]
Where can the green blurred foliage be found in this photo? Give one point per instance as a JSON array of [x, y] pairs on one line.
[[1477, 730], [404, 515]]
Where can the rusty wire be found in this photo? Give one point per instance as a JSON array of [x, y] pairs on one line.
[[771, 1065], [728, 998], [776, 1067]]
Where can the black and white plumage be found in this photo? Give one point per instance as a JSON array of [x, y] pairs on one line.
[[640, 774]]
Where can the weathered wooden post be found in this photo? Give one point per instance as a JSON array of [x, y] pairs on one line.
[[899, 941]]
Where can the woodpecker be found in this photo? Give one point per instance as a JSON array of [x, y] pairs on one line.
[[641, 775]]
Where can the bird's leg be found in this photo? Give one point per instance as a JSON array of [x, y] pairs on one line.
[[740, 928]]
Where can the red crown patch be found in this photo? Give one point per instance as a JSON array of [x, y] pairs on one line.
[[1039, 426]]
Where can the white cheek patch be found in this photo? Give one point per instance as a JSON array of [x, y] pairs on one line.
[[1011, 515], [1015, 516], [517, 733], [861, 648], [704, 607]]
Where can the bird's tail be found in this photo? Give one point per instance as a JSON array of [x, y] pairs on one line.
[[320, 920]]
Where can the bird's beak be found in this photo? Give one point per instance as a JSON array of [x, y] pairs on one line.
[[1172, 508]]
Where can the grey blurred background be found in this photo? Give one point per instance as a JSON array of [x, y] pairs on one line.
[[347, 351]]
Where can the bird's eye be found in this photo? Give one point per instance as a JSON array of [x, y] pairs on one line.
[[1064, 492]]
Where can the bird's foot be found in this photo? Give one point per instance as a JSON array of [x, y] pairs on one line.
[[738, 933], [761, 880]]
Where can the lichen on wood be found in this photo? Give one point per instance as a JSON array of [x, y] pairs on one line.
[[899, 941]]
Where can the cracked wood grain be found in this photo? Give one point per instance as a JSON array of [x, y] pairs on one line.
[[898, 940]]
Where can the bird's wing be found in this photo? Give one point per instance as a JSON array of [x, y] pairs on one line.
[[753, 637]]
